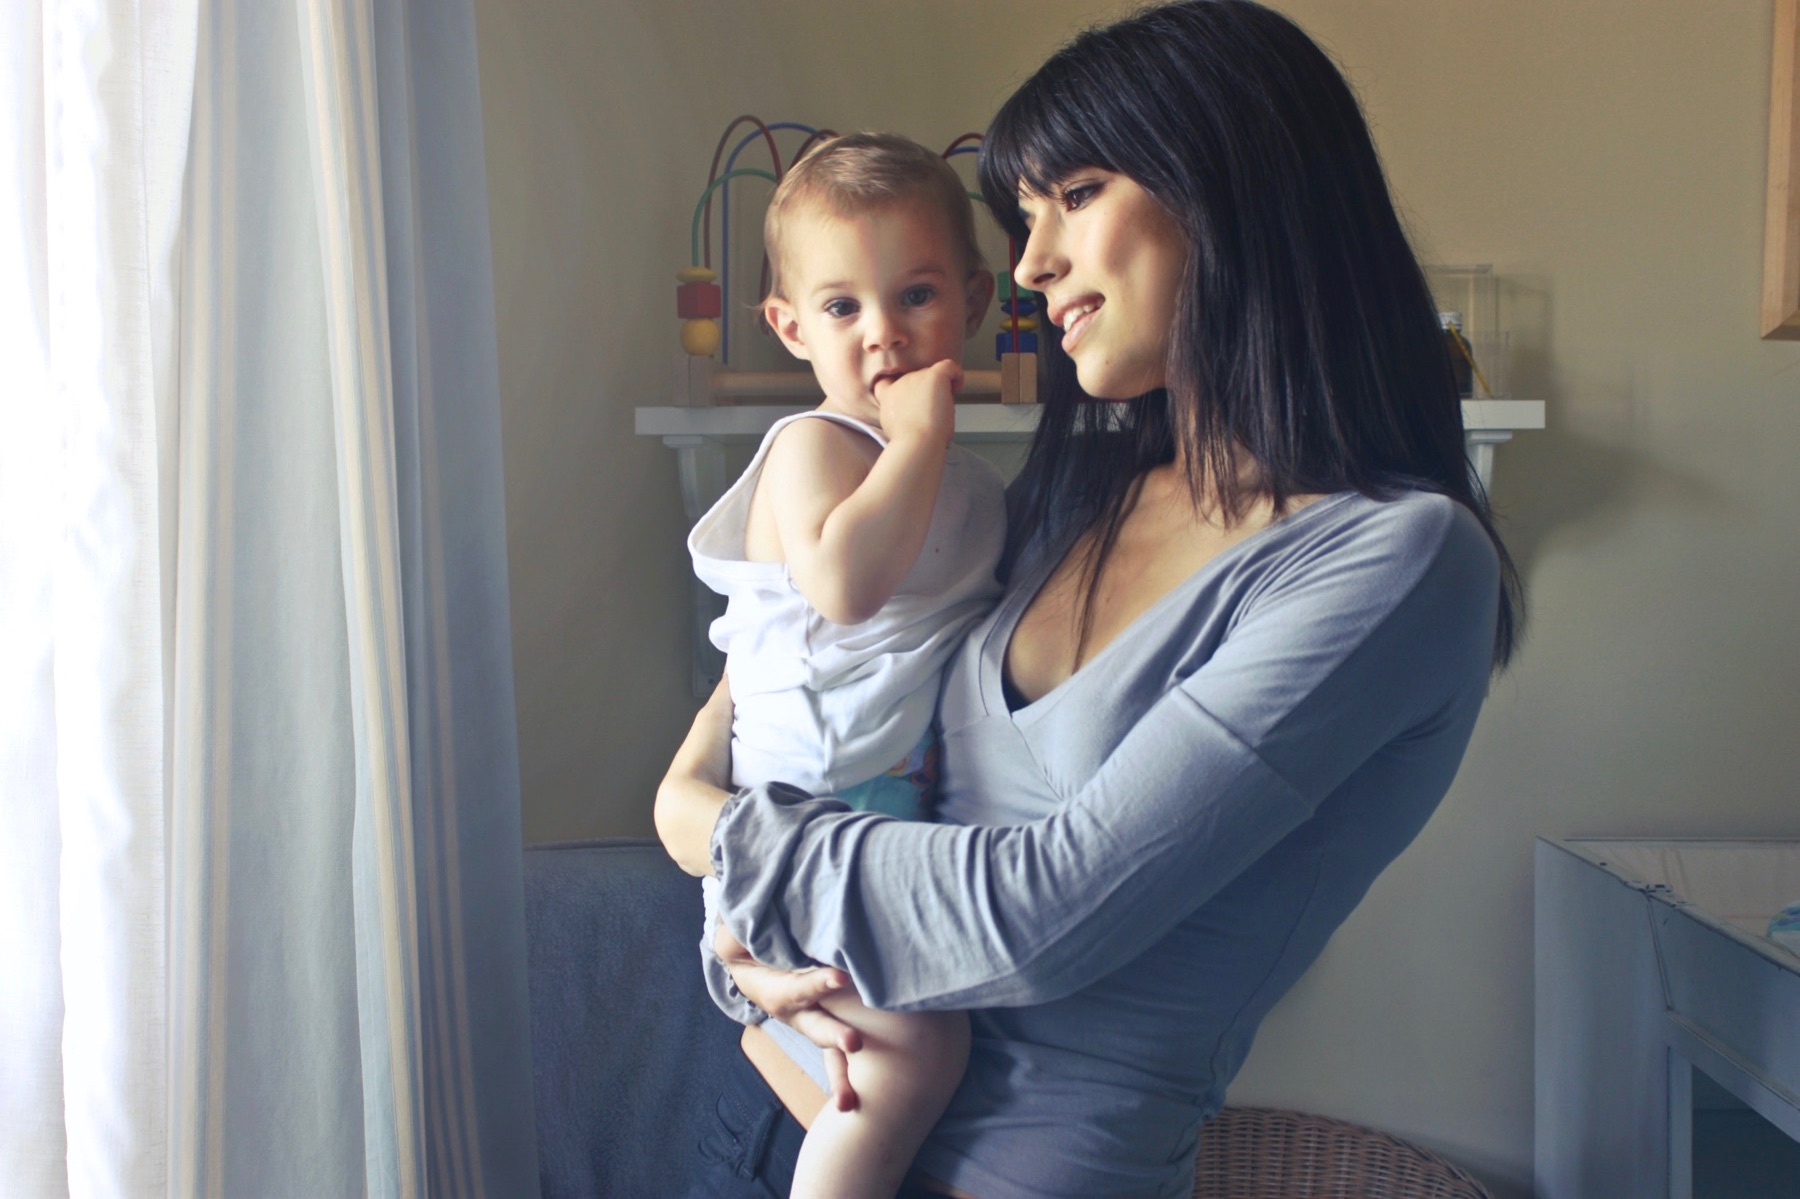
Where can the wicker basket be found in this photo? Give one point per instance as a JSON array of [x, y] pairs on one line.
[[1265, 1153]]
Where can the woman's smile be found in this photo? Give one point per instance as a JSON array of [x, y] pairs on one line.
[[1074, 320]]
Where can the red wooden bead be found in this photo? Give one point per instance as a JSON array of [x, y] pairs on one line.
[[695, 301]]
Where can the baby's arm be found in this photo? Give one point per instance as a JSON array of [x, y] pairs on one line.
[[692, 792], [850, 532]]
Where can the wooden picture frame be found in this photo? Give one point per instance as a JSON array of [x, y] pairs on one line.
[[1781, 234]]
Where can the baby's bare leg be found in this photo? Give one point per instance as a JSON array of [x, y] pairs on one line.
[[903, 1076]]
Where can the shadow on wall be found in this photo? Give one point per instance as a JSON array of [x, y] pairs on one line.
[[1575, 483]]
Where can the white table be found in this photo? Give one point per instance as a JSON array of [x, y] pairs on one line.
[[1650, 965]]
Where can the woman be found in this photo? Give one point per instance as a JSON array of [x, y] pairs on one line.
[[1250, 615]]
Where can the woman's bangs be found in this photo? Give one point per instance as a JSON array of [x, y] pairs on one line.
[[1033, 145]]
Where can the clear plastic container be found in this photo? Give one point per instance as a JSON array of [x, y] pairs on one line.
[[1471, 295]]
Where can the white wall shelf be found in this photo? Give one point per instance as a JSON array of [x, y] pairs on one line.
[[699, 437]]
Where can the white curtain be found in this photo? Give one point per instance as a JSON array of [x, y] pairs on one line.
[[91, 158], [260, 906]]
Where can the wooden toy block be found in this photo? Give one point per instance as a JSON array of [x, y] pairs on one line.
[[1018, 379], [693, 381]]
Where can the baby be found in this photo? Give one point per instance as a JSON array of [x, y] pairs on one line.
[[855, 551]]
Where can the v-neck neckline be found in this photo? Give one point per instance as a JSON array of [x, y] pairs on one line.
[[1001, 632]]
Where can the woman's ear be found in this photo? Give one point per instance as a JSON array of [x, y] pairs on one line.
[[786, 322], [979, 291]]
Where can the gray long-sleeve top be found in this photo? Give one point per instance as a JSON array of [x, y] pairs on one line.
[[1134, 867]]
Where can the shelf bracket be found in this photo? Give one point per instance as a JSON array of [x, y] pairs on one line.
[[1478, 446]]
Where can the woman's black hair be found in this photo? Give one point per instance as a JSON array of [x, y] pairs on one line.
[[1305, 334]]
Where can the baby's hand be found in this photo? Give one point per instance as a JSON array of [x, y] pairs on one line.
[[921, 403]]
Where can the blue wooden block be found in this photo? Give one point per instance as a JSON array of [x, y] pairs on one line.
[[1004, 343]]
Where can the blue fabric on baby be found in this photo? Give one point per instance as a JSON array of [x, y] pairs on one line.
[[905, 791]]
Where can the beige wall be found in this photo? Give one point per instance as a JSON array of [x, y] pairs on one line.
[[1605, 155]]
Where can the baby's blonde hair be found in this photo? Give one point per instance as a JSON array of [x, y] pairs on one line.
[[859, 173]]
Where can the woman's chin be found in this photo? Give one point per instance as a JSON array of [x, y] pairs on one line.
[[1111, 386], [1097, 384]]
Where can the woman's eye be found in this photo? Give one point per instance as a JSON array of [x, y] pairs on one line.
[[840, 309], [1078, 195], [915, 297]]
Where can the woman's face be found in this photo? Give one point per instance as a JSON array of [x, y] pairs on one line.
[[1109, 260]]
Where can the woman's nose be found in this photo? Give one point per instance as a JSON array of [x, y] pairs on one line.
[[1038, 263]]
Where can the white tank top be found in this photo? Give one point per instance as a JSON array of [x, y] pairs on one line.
[[824, 706]]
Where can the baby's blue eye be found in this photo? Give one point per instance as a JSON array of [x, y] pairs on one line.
[[914, 297], [840, 308]]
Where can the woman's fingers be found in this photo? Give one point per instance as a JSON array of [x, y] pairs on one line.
[[794, 997], [837, 1073], [815, 1024], [785, 994]]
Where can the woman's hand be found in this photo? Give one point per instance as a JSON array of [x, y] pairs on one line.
[[697, 785], [794, 997]]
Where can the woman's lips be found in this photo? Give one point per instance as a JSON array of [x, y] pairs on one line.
[[1076, 329]]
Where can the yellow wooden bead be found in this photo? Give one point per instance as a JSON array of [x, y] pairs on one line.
[[695, 274], [700, 337], [1027, 324]]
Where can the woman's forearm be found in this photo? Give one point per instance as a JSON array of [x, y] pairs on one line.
[[694, 789]]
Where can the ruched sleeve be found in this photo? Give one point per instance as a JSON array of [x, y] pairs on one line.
[[1375, 637]]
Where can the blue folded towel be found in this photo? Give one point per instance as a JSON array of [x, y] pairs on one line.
[[1784, 928]]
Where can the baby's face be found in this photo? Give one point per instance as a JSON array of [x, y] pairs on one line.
[[874, 296]]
